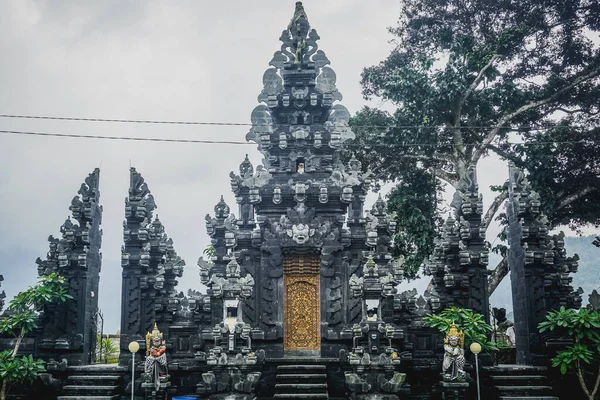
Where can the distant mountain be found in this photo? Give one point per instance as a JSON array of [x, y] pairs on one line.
[[588, 275]]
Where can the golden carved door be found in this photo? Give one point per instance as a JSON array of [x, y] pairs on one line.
[[302, 304]]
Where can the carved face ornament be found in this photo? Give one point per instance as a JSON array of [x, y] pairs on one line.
[[453, 341], [300, 233]]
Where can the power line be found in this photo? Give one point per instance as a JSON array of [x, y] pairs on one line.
[[165, 122], [233, 142], [73, 135], [127, 121]]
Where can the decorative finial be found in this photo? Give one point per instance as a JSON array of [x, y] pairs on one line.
[[298, 29]]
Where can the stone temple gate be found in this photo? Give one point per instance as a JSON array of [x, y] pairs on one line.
[[301, 299]]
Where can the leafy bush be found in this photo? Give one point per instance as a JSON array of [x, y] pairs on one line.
[[472, 324], [109, 350], [583, 327], [23, 311]]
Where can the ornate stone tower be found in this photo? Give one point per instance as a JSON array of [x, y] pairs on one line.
[[539, 268], [150, 268], [69, 329], [458, 265], [2, 295], [301, 231]]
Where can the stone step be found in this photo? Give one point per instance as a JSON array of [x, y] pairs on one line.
[[300, 386], [113, 397], [301, 377], [102, 380], [519, 380], [90, 390], [518, 377], [301, 396], [300, 367], [513, 369], [518, 390], [528, 398]]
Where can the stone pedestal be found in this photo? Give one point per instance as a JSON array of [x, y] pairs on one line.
[[454, 390], [150, 392]]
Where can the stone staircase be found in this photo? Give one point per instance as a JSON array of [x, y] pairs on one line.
[[517, 382], [308, 381], [91, 387]]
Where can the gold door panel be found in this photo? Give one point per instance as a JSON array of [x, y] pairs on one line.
[[302, 305]]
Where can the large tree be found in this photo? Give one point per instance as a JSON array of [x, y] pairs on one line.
[[470, 77]]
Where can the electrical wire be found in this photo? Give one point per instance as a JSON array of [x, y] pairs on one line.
[[233, 142], [165, 122]]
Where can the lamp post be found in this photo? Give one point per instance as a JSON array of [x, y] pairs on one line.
[[476, 349], [133, 348]]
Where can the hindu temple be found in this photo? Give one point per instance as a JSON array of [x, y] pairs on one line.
[[300, 299]]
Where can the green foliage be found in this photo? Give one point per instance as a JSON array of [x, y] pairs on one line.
[[472, 324], [109, 350], [21, 320], [503, 344], [583, 327], [19, 369], [415, 203], [209, 252], [468, 75]]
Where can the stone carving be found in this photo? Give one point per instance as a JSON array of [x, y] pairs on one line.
[[2, 295], [540, 268], [150, 264], [233, 285], [454, 356], [76, 256], [594, 301], [155, 364], [373, 358], [300, 227], [458, 265], [231, 354]]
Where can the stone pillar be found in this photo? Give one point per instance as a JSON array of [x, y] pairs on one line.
[[539, 268], [69, 329], [150, 266], [459, 262], [2, 295]]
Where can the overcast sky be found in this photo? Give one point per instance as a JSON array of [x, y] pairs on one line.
[[159, 60]]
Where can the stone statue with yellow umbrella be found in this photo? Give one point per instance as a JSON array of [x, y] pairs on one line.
[[454, 356], [155, 365]]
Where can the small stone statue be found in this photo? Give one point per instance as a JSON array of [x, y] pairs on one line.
[[155, 365], [454, 355]]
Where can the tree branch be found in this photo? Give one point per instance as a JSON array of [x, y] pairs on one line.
[[471, 88], [489, 138], [493, 209], [497, 275], [597, 384], [502, 153], [579, 373], [418, 157], [449, 177], [566, 200]]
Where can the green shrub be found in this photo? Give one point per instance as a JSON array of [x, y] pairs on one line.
[[583, 327], [472, 324], [23, 312]]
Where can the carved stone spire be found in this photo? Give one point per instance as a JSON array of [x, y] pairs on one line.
[[2, 295], [76, 256], [298, 122], [539, 267], [459, 261], [150, 264]]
